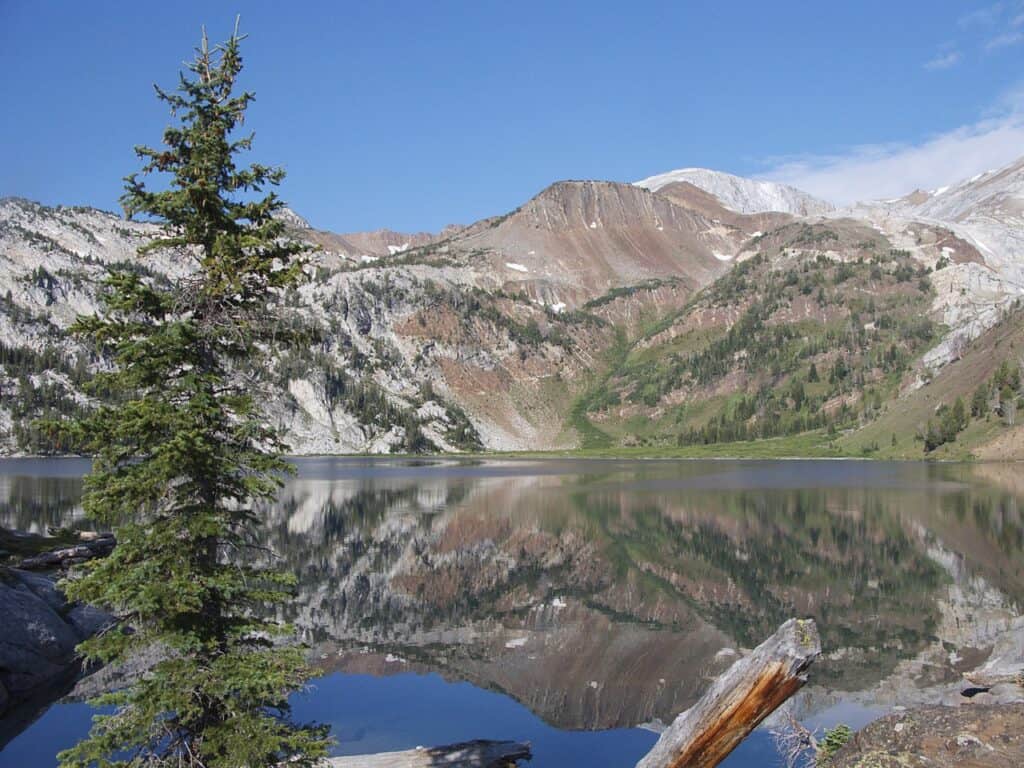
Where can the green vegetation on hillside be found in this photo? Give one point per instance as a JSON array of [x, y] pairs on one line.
[[36, 384], [815, 444], [926, 422], [998, 396], [630, 290], [591, 437], [779, 346]]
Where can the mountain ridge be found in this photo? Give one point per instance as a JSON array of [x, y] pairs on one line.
[[499, 334]]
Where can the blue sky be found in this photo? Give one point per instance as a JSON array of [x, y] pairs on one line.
[[413, 115]]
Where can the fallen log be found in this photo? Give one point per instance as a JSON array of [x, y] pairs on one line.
[[469, 754], [95, 545], [749, 691]]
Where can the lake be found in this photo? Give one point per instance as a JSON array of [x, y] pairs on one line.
[[573, 603]]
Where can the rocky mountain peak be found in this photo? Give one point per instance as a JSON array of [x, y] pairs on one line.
[[998, 191], [292, 219], [593, 205], [743, 195]]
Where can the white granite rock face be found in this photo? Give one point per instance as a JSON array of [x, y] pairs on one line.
[[52, 263]]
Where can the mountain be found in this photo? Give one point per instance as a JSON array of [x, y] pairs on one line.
[[577, 240], [981, 226], [362, 247], [993, 192], [987, 209], [292, 219], [743, 195], [788, 341], [405, 342], [687, 309]]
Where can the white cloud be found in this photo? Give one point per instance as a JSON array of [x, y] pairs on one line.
[[880, 171], [943, 60], [1004, 40]]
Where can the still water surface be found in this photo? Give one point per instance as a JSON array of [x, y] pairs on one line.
[[567, 602]]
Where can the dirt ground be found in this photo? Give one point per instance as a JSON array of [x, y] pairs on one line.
[[1007, 446], [976, 736]]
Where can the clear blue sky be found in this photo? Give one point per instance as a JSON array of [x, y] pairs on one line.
[[412, 115]]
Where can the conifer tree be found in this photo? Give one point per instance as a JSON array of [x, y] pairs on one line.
[[183, 457]]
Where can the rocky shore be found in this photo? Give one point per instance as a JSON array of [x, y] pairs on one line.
[[41, 629], [38, 662], [983, 736]]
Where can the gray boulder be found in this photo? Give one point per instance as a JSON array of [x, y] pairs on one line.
[[38, 634], [87, 620], [42, 587]]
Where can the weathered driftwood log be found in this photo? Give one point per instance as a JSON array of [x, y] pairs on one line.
[[469, 754], [96, 545], [749, 691]]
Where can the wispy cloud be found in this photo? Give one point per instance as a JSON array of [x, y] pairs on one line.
[[992, 27], [943, 60], [891, 170], [1004, 40], [985, 16]]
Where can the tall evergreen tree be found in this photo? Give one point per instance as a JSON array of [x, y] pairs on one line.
[[183, 457]]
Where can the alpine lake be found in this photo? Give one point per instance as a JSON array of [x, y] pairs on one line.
[[577, 603]]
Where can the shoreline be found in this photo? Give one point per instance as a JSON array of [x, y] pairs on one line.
[[580, 454]]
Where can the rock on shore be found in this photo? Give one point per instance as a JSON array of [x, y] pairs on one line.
[[40, 632]]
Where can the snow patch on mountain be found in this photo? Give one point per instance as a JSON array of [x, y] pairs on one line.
[[743, 195]]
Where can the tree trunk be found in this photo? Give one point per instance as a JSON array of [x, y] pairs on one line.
[[749, 691]]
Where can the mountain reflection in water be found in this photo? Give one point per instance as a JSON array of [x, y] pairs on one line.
[[607, 593], [604, 594]]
